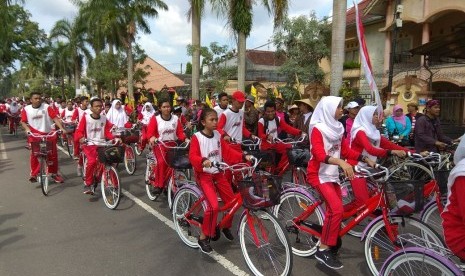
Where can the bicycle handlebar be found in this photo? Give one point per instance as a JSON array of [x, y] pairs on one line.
[[236, 167], [100, 142], [366, 173], [50, 134], [251, 142], [432, 156], [290, 141], [182, 145]]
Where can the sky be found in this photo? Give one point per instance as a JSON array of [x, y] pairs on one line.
[[171, 32]]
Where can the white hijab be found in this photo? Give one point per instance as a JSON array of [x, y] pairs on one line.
[[14, 107], [458, 170], [364, 121], [117, 117], [324, 119], [146, 115]]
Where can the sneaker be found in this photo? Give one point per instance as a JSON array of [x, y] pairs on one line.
[[33, 179], [58, 178], [88, 190], [327, 258], [79, 170], [227, 234], [205, 246], [76, 157], [156, 190]]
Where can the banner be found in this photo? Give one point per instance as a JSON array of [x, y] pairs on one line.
[[365, 60]]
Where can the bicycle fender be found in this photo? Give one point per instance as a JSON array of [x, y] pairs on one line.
[[192, 187], [372, 223], [307, 194], [426, 206]]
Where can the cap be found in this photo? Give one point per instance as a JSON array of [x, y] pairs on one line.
[[352, 105], [294, 106], [360, 101], [251, 99], [238, 96], [305, 101]]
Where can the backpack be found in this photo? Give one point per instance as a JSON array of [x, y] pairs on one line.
[[265, 126]]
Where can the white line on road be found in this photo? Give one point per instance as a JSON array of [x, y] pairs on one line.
[[3, 155], [230, 266]]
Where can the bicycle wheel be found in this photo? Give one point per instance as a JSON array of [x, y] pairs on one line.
[[410, 171], [84, 166], [44, 178], [293, 203], [137, 149], [415, 261], [378, 246], [150, 174], [265, 245], [188, 226], [70, 145], [111, 188], [129, 160], [432, 217], [173, 186]]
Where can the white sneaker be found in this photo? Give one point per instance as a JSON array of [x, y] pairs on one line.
[[79, 170]]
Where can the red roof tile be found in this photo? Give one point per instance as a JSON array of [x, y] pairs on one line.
[[265, 58]]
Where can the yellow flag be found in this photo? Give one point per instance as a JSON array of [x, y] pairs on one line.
[[253, 93], [276, 92], [208, 102], [175, 98]]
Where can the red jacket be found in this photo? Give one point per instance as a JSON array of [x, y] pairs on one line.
[[454, 218], [152, 129]]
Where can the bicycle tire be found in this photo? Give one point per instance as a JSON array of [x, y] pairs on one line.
[[44, 178], [293, 203], [415, 261], [129, 160], [432, 217], [273, 255], [111, 188], [378, 247], [150, 172], [137, 149], [183, 201], [70, 146], [84, 166]]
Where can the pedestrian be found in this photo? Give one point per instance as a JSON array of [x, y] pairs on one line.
[[306, 110], [399, 125], [413, 115], [251, 115], [347, 120]]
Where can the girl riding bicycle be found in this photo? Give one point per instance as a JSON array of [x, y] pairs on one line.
[[207, 147], [144, 117], [328, 147], [454, 211]]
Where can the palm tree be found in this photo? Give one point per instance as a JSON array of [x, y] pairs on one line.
[[74, 41], [195, 14], [240, 21], [124, 19], [337, 45]]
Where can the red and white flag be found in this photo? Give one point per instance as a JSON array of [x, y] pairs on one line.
[[365, 60]]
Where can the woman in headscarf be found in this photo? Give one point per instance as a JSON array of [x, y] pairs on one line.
[[399, 124], [367, 140], [454, 212], [14, 111], [116, 115], [144, 117], [328, 150]]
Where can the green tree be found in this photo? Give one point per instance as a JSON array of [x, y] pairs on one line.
[[188, 68], [304, 41]]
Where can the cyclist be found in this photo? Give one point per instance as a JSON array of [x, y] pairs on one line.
[[144, 117], [78, 114], [328, 147], [223, 101], [454, 212], [67, 113], [117, 115], [207, 147], [366, 139], [268, 127], [13, 111], [94, 127], [38, 118], [164, 127]]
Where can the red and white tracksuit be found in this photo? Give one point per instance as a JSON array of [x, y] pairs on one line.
[[12, 115], [325, 177], [95, 130], [144, 121], [453, 218], [231, 123], [40, 121], [77, 117], [362, 144], [163, 130], [273, 131], [213, 148]]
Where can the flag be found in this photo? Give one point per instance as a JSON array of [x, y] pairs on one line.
[[365, 60], [208, 102], [275, 92], [175, 98], [253, 92]]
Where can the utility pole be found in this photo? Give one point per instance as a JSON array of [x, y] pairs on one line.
[[398, 9]]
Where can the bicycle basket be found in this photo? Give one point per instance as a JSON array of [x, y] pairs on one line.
[[130, 136], [110, 155], [266, 157], [260, 191], [35, 147], [178, 158], [441, 178], [69, 127], [409, 194], [299, 157]]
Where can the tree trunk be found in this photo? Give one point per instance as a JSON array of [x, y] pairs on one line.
[[130, 72], [196, 25], [338, 45], [77, 78], [241, 66]]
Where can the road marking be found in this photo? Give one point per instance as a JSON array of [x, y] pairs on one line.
[[3, 155], [227, 264]]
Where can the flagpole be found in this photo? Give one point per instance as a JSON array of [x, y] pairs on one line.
[[393, 47]]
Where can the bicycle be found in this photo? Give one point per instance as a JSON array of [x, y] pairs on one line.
[[264, 244], [15, 119], [68, 138], [108, 153], [129, 136], [41, 149], [303, 216], [179, 170], [420, 260]]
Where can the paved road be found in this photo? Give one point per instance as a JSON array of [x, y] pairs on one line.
[[69, 233]]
